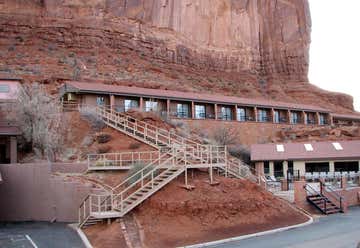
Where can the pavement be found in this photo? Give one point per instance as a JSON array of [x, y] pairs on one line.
[[335, 231], [38, 235]]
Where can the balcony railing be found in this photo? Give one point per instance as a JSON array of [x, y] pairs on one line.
[[245, 118], [264, 119]]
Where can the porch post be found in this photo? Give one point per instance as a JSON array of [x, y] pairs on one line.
[[168, 108], [192, 110], [285, 168], [331, 166], [273, 115], [112, 102], [289, 116], [330, 119], [13, 150], [317, 118], [304, 118], [216, 112], [271, 168], [255, 114], [141, 104], [236, 110]]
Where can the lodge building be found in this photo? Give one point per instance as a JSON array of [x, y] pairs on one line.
[[324, 159], [187, 105]]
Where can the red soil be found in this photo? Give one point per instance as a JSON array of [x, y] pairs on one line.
[[103, 235], [175, 216], [79, 128]]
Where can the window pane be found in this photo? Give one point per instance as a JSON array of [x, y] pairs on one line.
[[226, 113], [200, 112], [151, 106], [130, 104], [4, 88], [100, 100], [241, 115], [182, 110]]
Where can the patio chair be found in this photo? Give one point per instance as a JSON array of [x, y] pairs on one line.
[[323, 175], [316, 176], [352, 174], [337, 174], [308, 176], [331, 176], [345, 174]]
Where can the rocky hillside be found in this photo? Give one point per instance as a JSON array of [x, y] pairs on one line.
[[249, 48]]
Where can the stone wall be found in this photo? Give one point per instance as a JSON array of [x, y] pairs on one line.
[[30, 192]]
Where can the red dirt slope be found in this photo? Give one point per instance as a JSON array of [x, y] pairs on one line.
[[176, 217]]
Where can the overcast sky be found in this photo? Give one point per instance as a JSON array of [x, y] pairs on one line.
[[335, 47]]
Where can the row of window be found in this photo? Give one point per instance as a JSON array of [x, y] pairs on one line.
[[225, 113]]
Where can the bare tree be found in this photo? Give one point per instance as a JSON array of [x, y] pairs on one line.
[[41, 120], [225, 136]]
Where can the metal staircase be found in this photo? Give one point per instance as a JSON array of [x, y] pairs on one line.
[[325, 200], [176, 154], [164, 139]]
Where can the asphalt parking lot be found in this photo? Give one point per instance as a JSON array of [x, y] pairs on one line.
[[38, 235]]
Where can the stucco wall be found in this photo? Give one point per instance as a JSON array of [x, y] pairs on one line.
[[29, 192]]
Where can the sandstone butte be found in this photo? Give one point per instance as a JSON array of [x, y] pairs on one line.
[[249, 48]]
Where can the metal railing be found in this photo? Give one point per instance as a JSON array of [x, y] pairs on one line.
[[332, 195], [121, 160]]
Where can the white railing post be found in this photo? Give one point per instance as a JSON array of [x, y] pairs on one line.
[[142, 178], [121, 202]]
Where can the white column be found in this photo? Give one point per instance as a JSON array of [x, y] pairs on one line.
[[331, 166], [271, 168], [285, 168]]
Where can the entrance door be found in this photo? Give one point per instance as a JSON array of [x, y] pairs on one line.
[[278, 169], [3, 159]]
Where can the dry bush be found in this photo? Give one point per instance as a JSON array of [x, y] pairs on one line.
[[134, 145], [241, 152], [103, 149], [41, 120], [225, 136], [90, 115], [103, 138]]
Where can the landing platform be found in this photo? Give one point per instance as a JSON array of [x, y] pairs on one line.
[[106, 215]]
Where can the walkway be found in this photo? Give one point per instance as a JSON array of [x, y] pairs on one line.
[[335, 231], [38, 235]]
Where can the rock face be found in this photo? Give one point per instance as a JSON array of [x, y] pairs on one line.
[[254, 48]]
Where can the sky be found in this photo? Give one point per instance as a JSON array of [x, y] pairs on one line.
[[335, 46]]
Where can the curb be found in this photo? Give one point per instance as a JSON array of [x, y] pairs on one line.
[[82, 235], [282, 229]]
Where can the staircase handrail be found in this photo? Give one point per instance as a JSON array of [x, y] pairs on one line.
[[165, 133], [121, 194], [134, 157], [140, 172], [332, 193]]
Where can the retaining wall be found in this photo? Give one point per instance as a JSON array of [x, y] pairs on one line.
[[31, 192]]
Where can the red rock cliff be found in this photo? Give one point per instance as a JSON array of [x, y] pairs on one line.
[[253, 48]]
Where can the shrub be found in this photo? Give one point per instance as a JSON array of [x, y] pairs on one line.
[[241, 152], [103, 138], [90, 115], [134, 145], [138, 166], [103, 162], [225, 136], [103, 149]]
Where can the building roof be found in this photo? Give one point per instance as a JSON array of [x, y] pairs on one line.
[[9, 130], [298, 151], [8, 90], [72, 86], [346, 117]]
